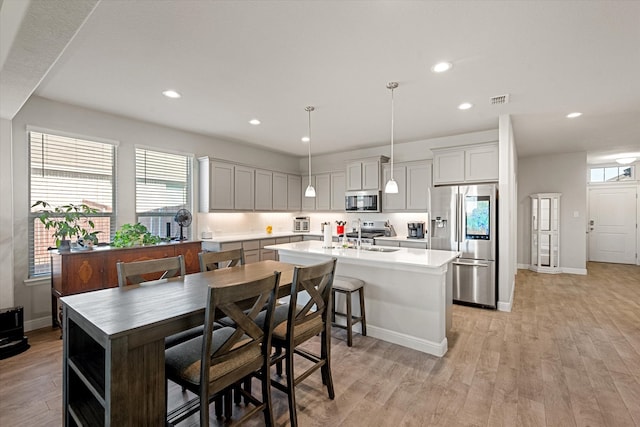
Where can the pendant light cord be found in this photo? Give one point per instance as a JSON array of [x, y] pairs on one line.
[[309, 110], [392, 110]]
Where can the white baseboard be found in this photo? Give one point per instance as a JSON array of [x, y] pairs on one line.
[[31, 325], [523, 266], [425, 346], [581, 271]]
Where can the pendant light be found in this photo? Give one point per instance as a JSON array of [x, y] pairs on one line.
[[310, 191], [392, 186]]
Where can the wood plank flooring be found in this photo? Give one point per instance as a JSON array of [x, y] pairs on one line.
[[567, 355]]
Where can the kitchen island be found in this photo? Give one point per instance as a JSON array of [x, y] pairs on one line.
[[408, 294]]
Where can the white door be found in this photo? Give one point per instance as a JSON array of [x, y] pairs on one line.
[[612, 225]]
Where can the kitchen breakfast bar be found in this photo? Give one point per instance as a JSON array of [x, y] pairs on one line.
[[408, 292]]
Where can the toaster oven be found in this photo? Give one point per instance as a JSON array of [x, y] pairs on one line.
[[301, 224]]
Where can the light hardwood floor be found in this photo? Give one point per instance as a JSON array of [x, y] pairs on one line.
[[568, 354]]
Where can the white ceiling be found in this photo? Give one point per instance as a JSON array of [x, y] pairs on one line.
[[233, 61]]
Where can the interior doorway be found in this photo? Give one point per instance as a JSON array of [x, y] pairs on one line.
[[612, 224]]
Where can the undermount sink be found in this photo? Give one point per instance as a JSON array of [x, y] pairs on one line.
[[374, 249]]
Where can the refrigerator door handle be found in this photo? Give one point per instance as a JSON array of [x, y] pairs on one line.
[[468, 264], [460, 217]]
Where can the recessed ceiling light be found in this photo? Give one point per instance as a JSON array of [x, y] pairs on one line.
[[305, 139], [254, 122], [465, 106], [573, 115], [441, 67], [171, 94], [626, 160]]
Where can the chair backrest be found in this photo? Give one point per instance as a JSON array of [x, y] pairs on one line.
[[315, 281], [148, 270], [214, 260], [241, 302]]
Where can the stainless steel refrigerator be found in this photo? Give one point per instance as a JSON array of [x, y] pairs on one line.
[[464, 218]]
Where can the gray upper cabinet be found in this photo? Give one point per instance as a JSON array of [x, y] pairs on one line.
[[467, 164], [338, 187], [226, 187], [418, 184], [395, 202], [294, 184], [280, 192], [217, 181], [264, 190], [308, 203], [414, 180], [323, 192], [244, 188], [364, 174]]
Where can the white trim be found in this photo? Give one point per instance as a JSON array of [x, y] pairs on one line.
[[425, 346], [569, 270], [31, 325], [523, 266], [507, 306], [37, 281], [163, 150], [90, 138]]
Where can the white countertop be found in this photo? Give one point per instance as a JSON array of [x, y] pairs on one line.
[[251, 236], [422, 258], [402, 238]]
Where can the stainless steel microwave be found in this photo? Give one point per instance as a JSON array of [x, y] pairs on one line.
[[362, 201]]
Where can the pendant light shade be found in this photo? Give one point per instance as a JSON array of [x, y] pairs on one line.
[[392, 186], [310, 191]]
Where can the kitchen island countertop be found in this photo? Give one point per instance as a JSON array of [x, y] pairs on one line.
[[399, 258]]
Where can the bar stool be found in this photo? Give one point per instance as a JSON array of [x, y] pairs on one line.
[[347, 286]]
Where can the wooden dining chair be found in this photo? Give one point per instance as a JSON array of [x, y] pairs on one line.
[[153, 271], [304, 320], [134, 273], [213, 363], [214, 260]]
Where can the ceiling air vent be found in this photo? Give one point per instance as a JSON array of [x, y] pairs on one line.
[[500, 99]]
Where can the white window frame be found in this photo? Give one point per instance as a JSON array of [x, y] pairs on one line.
[[33, 216], [166, 217]]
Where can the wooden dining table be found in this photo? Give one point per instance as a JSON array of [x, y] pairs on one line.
[[113, 349]]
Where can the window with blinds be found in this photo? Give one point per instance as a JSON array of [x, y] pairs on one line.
[[66, 170], [163, 187]]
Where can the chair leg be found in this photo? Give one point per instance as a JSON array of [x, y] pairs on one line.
[[325, 353], [247, 388], [349, 321], [204, 409], [363, 321], [266, 395], [228, 407], [279, 362], [291, 395], [333, 306], [218, 406]]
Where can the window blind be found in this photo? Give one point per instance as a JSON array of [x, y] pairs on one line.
[[163, 186], [66, 170]]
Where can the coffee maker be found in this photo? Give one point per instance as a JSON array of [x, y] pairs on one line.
[[415, 230]]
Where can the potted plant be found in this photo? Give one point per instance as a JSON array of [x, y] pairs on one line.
[[134, 235], [68, 221]]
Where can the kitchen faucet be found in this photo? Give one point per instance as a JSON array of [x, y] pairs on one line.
[[359, 241]]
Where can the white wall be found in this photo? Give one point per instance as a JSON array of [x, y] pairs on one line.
[[558, 173], [6, 216], [55, 116]]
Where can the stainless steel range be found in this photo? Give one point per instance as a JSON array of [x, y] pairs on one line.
[[369, 230]]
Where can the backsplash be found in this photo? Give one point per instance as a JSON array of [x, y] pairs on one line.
[[256, 222]]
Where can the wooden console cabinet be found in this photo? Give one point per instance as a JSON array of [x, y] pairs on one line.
[[83, 271]]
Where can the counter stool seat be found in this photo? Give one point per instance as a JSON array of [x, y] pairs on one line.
[[348, 285]]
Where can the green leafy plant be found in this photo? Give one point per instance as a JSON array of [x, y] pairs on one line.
[[134, 235], [68, 221]]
